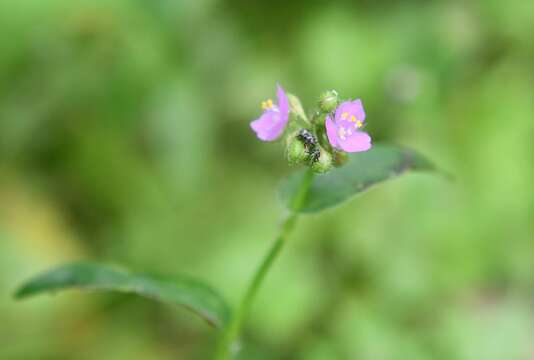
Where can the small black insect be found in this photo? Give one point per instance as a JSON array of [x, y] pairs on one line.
[[314, 155], [309, 140], [310, 143]]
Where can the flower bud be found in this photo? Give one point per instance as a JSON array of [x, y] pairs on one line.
[[340, 158], [328, 101], [323, 163], [296, 151], [295, 106]]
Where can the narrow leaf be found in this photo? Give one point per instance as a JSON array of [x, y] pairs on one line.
[[363, 170], [194, 295]]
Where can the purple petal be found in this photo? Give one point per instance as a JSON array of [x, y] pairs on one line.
[[357, 110], [352, 108], [358, 141], [331, 132], [283, 103], [345, 124], [345, 106], [269, 126]]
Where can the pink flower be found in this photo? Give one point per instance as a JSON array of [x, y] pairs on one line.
[[344, 131], [271, 124]]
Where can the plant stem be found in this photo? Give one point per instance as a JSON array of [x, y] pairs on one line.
[[228, 344]]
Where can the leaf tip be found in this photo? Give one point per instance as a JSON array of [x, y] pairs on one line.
[[21, 292]]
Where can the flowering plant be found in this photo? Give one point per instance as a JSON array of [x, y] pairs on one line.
[[334, 129], [340, 161]]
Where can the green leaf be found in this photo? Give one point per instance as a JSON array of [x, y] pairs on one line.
[[363, 170], [194, 295]]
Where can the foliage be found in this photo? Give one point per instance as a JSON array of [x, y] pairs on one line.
[[124, 137], [186, 292]]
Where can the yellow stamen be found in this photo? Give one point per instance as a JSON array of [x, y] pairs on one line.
[[355, 120], [345, 115], [266, 105]]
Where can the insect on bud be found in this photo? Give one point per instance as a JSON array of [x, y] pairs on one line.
[[296, 151], [329, 101], [323, 163]]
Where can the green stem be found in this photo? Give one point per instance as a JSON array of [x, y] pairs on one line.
[[232, 332]]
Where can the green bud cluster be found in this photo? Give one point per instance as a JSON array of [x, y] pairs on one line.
[[308, 144]]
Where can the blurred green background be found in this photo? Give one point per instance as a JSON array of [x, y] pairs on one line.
[[124, 138]]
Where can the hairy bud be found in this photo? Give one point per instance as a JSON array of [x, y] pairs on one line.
[[323, 163], [296, 151], [340, 158], [328, 101]]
